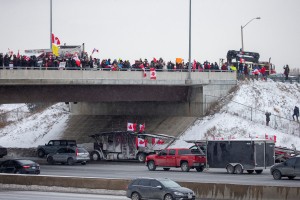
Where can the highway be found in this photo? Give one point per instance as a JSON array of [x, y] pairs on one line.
[[29, 195], [126, 170]]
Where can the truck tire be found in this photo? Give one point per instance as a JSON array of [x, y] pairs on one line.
[[259, 171], [230, 169], [41, 153], [185, 166], [166, 168], [151, 165], [238, 169], [200, 169], [250, 171], [141, 157], [50, 160], [276, 174], [95, 156], [291, 177]]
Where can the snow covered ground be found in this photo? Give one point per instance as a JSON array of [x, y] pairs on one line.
[[235, 119]]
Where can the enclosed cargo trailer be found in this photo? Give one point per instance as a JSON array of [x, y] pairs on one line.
[[237, 156]]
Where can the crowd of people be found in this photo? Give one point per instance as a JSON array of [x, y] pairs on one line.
[[83, 61]]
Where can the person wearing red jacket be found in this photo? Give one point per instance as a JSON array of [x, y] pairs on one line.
[[263, 72]]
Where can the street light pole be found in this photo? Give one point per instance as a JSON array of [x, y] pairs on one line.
[[190, 25], [242, 35], [51, 25]]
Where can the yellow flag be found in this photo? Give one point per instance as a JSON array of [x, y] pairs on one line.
[[55, 49]]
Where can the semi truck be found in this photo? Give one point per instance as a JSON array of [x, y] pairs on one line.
[[236, 156], [127, 145]]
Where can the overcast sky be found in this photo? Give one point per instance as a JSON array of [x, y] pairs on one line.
[[133, 29]]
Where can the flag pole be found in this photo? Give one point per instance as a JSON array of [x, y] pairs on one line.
[[51, 25]]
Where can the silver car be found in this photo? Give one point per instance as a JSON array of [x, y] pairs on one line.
[[69, 155]]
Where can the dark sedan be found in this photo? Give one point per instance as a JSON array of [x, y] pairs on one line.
[[19, 166], [163, 189]]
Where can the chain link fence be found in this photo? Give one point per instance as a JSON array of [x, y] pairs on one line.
[[285, 125]]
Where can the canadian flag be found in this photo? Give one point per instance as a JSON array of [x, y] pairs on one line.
[[131, 127], [144, 71], [152, 74], [26, 58], [142, 128], [140, 142], [77, 60], [55, 40], [242, 60], [157, 141]]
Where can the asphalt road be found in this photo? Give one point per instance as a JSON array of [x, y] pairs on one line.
[[29, 195], [134, 170]]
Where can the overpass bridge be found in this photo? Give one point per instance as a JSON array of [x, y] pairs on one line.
[[117, 93], [106, 100]]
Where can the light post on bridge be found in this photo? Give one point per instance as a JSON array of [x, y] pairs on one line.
[[242, 27], [190, 25], [51, 25]]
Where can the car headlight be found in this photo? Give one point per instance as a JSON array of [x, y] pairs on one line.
[[178, 193]]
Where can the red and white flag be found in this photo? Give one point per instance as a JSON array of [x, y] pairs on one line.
[[131, 127], [27, 58], [95, 50], [18, 55], [77, 60], [142, 128], [152, 74], [55, 40], [157, 141], [140, 142], [143, 68], [242, 60]]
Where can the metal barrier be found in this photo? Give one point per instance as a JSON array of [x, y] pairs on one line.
[[108, 69]]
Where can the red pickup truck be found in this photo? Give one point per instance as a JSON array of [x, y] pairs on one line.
[[176, 157]]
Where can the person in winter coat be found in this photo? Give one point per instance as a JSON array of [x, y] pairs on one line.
[[286, 72], [263, 73], [246, 71], [296, 113], [268, 114]]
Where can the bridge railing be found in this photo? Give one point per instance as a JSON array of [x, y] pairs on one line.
[[111, 69], [283, 124]]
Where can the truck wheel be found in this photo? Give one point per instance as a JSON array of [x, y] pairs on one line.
[[95, 156], [276, 174], [151, 165], [141, 157], [259, 171], [185, 167], [238, 169], [230, 169], [50, 160], [199, 169], [291, 177], [166, 168], [41, 153], [250, 171]]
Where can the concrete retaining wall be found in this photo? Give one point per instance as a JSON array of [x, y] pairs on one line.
[[203, 190]]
